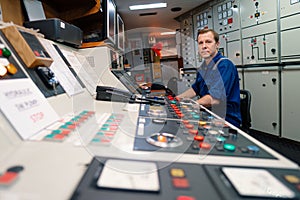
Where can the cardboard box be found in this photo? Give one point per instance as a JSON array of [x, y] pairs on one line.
[[31, 57], [12, 11]]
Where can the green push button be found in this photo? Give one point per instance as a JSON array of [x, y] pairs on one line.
[[229, 147]]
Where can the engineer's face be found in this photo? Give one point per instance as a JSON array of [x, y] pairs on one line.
[[207, 46]]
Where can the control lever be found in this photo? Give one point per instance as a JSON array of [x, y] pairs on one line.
[[48, 77]]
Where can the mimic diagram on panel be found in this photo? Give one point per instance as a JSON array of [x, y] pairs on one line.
[[260, 48]]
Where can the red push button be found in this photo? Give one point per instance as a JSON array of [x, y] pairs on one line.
[[204, 145], [180, 183], [193, 132], [8, 177], [199, 138], [185, 198]]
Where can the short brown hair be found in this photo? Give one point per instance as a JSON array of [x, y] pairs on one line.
[[203, 31]]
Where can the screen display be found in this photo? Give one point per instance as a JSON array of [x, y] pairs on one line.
[[111, 20], [120, 33], [127, 81]]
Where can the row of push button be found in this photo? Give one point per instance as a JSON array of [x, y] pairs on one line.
[[107, 131], [179, 181], [65, 129]]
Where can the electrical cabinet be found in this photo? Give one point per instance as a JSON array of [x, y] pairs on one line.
[[289, 23], [188, 43], [264, 88], [290, 102]]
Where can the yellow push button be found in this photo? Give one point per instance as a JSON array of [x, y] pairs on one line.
[[292, 179], [175, 172]]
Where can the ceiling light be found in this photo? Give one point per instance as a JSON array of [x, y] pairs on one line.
[[168, 33], [148, 6]]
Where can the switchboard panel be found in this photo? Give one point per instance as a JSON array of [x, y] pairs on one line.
[[256, 12], [263, 84], [290, 102], [289, 23], [289, 7], [188, 43], [230, 46], [226, 17], [260, 43]]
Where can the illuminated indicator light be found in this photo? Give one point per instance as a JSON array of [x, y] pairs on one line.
[[199, 138], [202, 123], [59, 136], [3, 70], [204, 145], [113, 128], [161, 138], [175, 172], [109, 134], [230, 21], [72, 126], [11, 68], [207, 126], [251, 16], [180, 183], [36, 53], [66, 132], [6, 53], [213, 132], [229, 147], [50, 136], [193, 131], [185, 121], [100, 133], [185, 198], [180, 115], [96, 140], [105, 129], [221, 139], [189, 126], [253, 148], [57, 131], [196, 116], [292, 179], [105, 140]]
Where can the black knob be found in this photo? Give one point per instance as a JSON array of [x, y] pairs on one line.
[[274, 124], [256, 4], [273, 51], [274, 80]]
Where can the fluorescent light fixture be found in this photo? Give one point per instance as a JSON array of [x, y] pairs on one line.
[[168, 33], [148, 6]]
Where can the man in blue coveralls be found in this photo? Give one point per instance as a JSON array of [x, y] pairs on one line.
[[217, 81]]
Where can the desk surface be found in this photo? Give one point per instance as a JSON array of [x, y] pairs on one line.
[[53, 170]]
